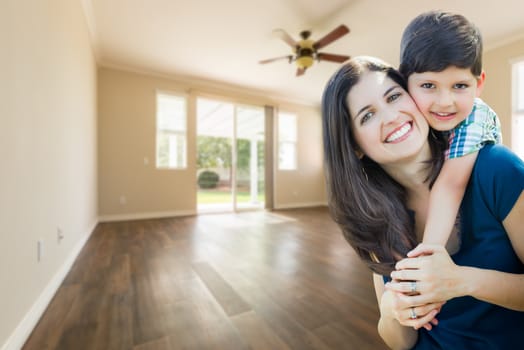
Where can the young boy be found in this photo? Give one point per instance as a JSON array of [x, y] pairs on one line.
[[441, 59]]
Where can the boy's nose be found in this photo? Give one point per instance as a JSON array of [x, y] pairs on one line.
[[445, 99]]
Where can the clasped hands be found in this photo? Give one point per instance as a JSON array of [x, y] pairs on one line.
[[420, 286]]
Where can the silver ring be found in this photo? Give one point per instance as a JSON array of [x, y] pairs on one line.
[[413, 315], [413, 286]]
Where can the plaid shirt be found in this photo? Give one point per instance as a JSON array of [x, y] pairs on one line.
[[480, 127]]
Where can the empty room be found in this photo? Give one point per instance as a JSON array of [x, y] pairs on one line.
[[164, 181]]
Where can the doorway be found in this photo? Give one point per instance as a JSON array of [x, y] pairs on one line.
[[230, 156]]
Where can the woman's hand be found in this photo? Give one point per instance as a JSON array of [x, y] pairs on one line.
[[430, 272], [399, 306]]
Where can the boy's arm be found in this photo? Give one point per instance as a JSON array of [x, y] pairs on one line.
[[445, 198]]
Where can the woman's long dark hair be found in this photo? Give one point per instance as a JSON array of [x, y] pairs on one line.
[[368, 205]]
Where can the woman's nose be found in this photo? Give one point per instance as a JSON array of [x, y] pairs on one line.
[[390, 116]]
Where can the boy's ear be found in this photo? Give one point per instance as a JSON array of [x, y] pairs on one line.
[[480, 82]]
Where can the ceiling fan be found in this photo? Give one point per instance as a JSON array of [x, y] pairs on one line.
[[305, 51]]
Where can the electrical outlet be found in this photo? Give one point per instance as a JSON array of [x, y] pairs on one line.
[[59, 235], [40, 250]]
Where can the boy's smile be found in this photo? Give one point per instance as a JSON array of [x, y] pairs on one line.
[[445, 98]]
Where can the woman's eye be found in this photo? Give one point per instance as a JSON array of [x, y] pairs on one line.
[[427, 86], [366, 117], [393, 97]]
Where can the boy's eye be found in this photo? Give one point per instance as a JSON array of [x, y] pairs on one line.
[[427, 85], [461, 86]]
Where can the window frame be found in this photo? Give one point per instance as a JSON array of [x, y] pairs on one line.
[[518, 86], [517, 110], [287, 142], [178, 134]]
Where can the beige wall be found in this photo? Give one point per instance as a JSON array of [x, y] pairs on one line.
[[497, 90], [127, 136], [126, 126], [48, 153], [304, 186]]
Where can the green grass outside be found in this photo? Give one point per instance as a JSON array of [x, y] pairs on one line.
[[213, 196]]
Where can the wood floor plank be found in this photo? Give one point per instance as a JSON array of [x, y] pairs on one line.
[[157, 344], [340, 337], [80, 327], [48, 331], [148, 314], [199, 322], [119, 279], [116, 316], [282, 322], [257, 332], [230, 301], [255, 280]]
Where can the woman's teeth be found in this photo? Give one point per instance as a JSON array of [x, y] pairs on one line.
[[399, 133]]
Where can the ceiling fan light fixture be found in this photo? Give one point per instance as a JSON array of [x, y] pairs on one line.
[[305, 51], [304, 62]]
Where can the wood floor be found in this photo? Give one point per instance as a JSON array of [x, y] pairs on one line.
[[254, 280]]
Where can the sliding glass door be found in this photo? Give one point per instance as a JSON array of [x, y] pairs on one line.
[[230, 156], [249, 157]]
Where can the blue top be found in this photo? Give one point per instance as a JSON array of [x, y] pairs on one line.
[[495, 185]]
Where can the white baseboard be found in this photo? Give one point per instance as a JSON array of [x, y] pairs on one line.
[[300, 205], [142, 216], [28, 323]]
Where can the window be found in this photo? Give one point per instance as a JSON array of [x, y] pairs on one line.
[[171, 135], [287, 141], [517, 136], [519, 87]]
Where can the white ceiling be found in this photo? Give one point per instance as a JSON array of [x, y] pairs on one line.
[[221, 41]]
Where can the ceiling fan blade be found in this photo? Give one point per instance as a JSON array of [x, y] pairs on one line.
[[269, 60], [300, 71], [332, 57], [332, 36], [282, 34]]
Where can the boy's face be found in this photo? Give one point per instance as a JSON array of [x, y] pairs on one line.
[[445, 98]]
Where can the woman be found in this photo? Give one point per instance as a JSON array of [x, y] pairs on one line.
[[381, 160]]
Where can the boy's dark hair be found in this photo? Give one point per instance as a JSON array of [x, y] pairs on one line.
[[436, 40]]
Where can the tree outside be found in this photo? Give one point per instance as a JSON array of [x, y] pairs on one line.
[[214, 153]]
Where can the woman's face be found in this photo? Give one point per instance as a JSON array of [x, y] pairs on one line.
[[387, 125]]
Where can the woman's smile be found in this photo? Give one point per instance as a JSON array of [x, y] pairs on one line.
[[400, 133]]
